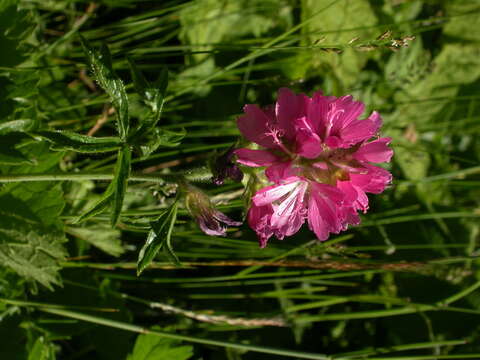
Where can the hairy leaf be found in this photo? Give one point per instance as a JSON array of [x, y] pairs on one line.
[[67, 140], [158, 236], [101, 63], [31, 235]]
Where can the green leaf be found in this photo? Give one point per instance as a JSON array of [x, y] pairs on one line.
[[158, 236], [9, 155], [122, 173], [99, 207], [160, 137], [42, 350], [67, 140], [101, 63], [115, 191], [31, 235], [151, 347], [152, 94], [17, 125], [101, 236]]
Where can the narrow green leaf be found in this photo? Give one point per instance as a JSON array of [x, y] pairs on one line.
[[160, 137], [152, 94], [99, 207], [101, 63], [67, 140], [19, 125], [141, 84], [42, 350], [122, 173], [158, 236]]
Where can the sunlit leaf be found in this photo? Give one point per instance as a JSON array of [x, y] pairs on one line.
[[151, 347]]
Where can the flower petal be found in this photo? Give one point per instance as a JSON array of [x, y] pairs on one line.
[[376, 151], [255, 126], [258, 218], [289, 107], [287, 214], [280, 171], [269, 194], [255, 158], [308, 142]]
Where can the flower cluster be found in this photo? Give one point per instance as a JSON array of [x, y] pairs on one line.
[[318, 155]]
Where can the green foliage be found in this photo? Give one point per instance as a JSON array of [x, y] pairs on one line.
[[158, 237], [119, 183], [151, 347], [409, 271], [9, 155], [152, 94], [101, 236], [66, 140], [101, 64], [31, 234], [42, 350]]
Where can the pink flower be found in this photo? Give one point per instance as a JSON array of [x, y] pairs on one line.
[[211, 221], [318, 154]]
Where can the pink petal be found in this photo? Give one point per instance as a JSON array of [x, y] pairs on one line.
[[288, 108], [308, 142], [317, 112], [269, 194], [255, 158], [291, 208], [375, 151], [354, 195], [255, 126], [279, 171], [258, 218]]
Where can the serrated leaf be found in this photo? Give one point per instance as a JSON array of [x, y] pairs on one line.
[[67, 140], [101, 236], [158, 236], [151, 347], [122, 172], [101, 63], [31, 234]]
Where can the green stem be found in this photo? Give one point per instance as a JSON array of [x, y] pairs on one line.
[[142, 330], [155, 178]]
